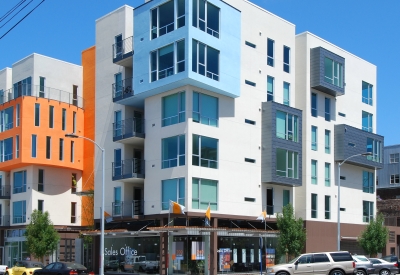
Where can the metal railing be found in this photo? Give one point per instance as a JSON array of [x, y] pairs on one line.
[[122, 89], [130, 127], [41, 92], [19, 219], [127, 209], [123, 47], [128, 168], [5, 190], [19, 189]]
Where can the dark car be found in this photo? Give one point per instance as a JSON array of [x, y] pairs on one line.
[[363, 265], [392, 259], [383, 267], [63, 268]]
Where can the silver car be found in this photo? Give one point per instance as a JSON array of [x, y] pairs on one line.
[[383, 267]]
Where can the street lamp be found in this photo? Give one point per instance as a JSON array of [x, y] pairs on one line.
[[101, 270], [338, 217]]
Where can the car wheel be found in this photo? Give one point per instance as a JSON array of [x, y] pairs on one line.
[[336, 272], [384, 272], [360, 272]]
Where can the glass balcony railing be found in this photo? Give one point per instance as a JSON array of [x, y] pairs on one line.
[[131, 127], [123, 49], [122, 89], [127, 208], [128, 168]]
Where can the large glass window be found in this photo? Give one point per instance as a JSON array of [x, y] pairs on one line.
[[172, 190], [205, 109], [205, 60], [34, 146], [167, 61], [314, 175], [287, 126], [286, 93], [286, 59], [19, 211], [7, 119], [327, 109], [314, 206], [314, 138], [173, 109], [367, 93], [163, 19], [327, 174], [287, 163], [37, 114], [270, 52], [333, 72], [23, 87], [270, 88], [327, 141], [6, 149], [368, 211], [368, 182], [19, 185], [206, 17], [314, 104], [327, 207], [375, 147], [367, 121], [173, 151], [205, 152], [204, 194]]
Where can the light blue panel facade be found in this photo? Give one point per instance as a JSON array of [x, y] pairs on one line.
[[228, 45]]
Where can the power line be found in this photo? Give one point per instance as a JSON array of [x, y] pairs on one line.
[[10, 11], [21, 19], [15, 14]]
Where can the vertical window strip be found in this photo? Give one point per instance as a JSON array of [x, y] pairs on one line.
[[270, 88], [314, 175], [327, 174]]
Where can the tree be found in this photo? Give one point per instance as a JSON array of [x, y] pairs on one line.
[[375, 235], [292, 234], [41, 237]]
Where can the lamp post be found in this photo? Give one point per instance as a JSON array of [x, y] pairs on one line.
[[101, 269], [338, 217]]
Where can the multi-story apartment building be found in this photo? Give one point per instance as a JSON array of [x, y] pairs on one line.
[[220, 104], [41, 100]]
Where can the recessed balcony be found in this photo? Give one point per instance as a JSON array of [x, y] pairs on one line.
[[129, 131], [123, 52], [5, 192], [128, 170], [122, 89], [127, 209]]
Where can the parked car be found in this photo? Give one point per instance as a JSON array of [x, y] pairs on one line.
[[3, 269], [392, 259], [24, 268], [383, 267], [329, 263], [63, 268], [363, 265]]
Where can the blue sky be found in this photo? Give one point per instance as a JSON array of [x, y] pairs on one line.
[[369, 29]]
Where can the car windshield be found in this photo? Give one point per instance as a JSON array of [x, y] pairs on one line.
[[74, 266], [361, 259], [294, 260]]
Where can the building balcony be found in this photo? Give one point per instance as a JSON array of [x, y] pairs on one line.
[[5, 192], [128, 209], [128, 170], [5, 220], [123, 52], [129, 131], [122, 89]]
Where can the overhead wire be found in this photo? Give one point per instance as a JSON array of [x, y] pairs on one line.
[[16, 14], [12, 10]]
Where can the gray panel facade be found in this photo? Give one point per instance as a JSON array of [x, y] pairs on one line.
[[317, 71], [389, 168], [270, 142], [351, 141]]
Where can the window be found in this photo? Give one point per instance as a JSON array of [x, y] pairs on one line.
[[333, 72], [327, 207], [250, 44], [40, 205], [205, 109], [286, 197], [163, 19], [61, 153], [72, 150], [19, 211], [286, 163], [375, 147], [287, 126], [394, 179], [286, 59], [37, 114], [117, 204], [368, 182], [394, 158], [73, 212], [40, 180], [172, 190], [117, 162], [270, 201], [48, 147], [23, 87], [248, 121], [327, 174], [286, 93], [251, 83], [17, 146], [327, 109], [205, 152], [314, 210], [7, 119], [74, 95], [270, 88], [367, 121], [73, 122], [41, 86], [206, 17], [367, 93], [204, 194], [250, 160], [314, 179], [6, 149], [118, 123], [368, 211], [205, 60], [173, 151], [19, 185], [63, 119], [167, 61], [34, 146], [173, 109], [327, 141], [314, 138], [270, 52], [18, 114], [314, 104], [74, 183], [341, 114], [1, 96], [321, 258], [51, 116]]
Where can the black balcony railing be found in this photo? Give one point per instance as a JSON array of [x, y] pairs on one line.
[[131, 127], [127, 209], [122, 89], [5, 191], [123, 49], [128, 168]]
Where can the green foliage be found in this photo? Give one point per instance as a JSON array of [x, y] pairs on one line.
[[41, 237], [375, 235], [292, 234]]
